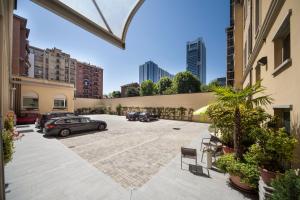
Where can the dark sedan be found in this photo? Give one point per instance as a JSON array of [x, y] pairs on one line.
[[42, 119], [147, 117], [133, 116], [64, 126]]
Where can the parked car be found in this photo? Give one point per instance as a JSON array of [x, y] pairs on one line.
[[27, 118], [133, 116], [64, 126], [147, 117], [42, 119]]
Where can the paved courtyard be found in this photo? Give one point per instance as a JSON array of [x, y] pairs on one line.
[[130, 160], [132, 152]]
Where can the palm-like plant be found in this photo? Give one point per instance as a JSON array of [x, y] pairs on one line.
[[248, 97]]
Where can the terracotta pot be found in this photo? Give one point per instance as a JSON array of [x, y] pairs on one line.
[[227, 150], [236, 181], [267, 176]]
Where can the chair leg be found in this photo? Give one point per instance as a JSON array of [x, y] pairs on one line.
[[196, 161], [202, 155], [181, 161]]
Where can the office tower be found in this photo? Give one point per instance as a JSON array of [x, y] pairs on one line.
[[196, 59]]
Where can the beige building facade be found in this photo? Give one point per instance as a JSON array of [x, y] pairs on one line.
[[41, 96], [269, 40]]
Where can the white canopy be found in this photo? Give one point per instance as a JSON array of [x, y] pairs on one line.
[[108, 19]]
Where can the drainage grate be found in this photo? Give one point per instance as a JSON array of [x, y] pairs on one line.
[[176, 129]]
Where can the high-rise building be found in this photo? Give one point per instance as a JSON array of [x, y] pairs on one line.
[[196, 59], [230, 48], [53, 64], [20, 48], [151, 71], [89, 81]]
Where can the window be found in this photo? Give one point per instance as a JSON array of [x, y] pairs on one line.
[[249, 41], [257, 15], [284, 118], [282, 44], [85, 120], [258, 73], [30, 101], [60, 102]]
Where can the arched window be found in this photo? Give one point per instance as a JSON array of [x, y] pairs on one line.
[[60, 101], [30, 100]]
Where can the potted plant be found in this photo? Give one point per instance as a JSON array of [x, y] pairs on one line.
[[287, 187], [273, 150], [243, 175]]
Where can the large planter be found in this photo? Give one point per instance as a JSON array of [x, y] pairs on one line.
[[267, 176], [227, 150], [236, 181]]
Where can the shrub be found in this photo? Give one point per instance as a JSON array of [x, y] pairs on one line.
[[248, 173], [8, 145], [132, 92], [274, 148], [286, 187], [116, 94], [119, 109]]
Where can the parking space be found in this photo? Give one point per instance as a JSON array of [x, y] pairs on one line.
[[131, 152]]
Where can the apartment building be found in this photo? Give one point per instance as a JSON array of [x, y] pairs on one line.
[[89, 81], [151, 71], [53, 64], [20, 59], [267, 45]]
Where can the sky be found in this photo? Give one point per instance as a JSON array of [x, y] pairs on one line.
[[158, 32]]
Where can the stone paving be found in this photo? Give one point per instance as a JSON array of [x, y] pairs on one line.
[[132, 152]]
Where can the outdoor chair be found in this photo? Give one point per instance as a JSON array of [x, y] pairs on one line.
[[208, 141], [188, 153], [212, 144]]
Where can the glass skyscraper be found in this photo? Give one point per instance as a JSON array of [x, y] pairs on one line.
[[151, 71], [196, 59]]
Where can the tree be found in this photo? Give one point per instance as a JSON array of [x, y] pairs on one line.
[[148, 88], [186, 82], [116, 94], [163, 84], [132, 92], [239, 99]]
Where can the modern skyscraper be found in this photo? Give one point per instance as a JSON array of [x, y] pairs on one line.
[[151, 71], [196, 59], [230, 48]]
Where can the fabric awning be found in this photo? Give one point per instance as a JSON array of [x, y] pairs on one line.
[[108, 19]]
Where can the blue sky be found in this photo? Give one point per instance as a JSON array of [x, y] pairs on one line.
[[159, 32]]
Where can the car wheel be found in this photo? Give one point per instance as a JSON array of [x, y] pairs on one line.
[[65, 132], [101, 127]]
